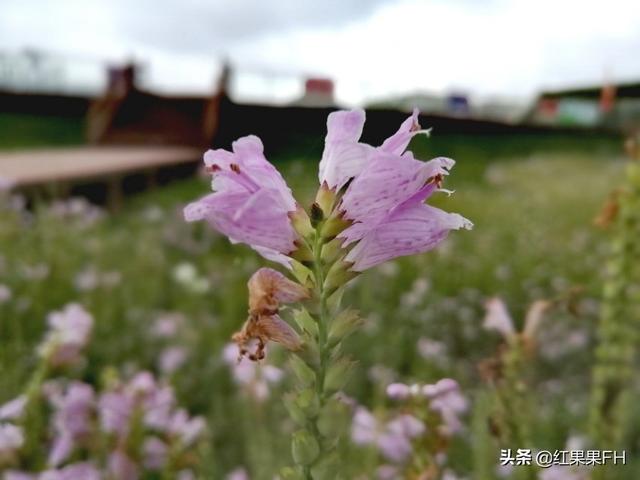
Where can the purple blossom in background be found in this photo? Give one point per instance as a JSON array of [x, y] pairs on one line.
[[185, 428], [71, 421], [68, 335], [167, 325], [122, 467], [364, 427], [446, 399], [186, 475], [115, 410], [77, 471], [237, 474], [398, 391], [16, 475], [392, 439], [497, 318], [13, 409], [11, 440], [251, 201], [154, 453], [5, 294], [388, 472], [171, 359], [253, 377]]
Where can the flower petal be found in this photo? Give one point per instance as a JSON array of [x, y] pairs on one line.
[[256, 219], [398, 142], [388, 181], [411, 228], [343, 157]]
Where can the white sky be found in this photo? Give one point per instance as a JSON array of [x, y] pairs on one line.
[[372, 49]]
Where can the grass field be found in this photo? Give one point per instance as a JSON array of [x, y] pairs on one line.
[[32, 131], [532, 203]]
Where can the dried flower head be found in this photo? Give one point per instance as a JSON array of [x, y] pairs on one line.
[[267, 290]]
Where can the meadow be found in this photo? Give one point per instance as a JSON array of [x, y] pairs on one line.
[[156, 284]]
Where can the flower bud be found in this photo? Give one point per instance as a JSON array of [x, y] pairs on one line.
[[305, 448]]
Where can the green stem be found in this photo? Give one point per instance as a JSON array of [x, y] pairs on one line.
[[323, 319]]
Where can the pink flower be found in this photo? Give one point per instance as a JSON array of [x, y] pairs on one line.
[[446, 399], [115, 409], [364, 427], [155, 453], [68, 335], [255, 378], [407, 425], [251, 201], [344, 157], [392, 439], [409, 228], [13, 409], [11, 440], [394, 446], [385, 200], [398, 391], [76, 471], [171, 359], [167, 325], [122, 467], [187, 429], [71, 421], [497, 318], [237, 474], [5, 294], [17, 475], [388, 472]]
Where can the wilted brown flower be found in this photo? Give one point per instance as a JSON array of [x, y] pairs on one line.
[[267, 290]]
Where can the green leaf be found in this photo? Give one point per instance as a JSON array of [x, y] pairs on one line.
[[307, 401], [306, 322], [333, 419], [338, 275], [295, 412], [338, 374], [309, 352], [327, 468], [301, 222], [305, 374], [289, 473], [344, 325], [303, 274], [305, 448]]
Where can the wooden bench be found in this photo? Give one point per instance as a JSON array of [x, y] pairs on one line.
[[59, 169]]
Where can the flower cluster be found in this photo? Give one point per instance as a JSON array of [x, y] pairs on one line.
[[393, 438], [382, 203], [444, 398], [125, 430], [429, 416]]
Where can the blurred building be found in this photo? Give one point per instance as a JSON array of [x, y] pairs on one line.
[[318, 92], [610, 106], [126, 114]]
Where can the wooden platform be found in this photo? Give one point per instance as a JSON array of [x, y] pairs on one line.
[[70, 165]]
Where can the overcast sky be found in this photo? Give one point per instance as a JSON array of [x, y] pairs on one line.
[[372, 48]]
